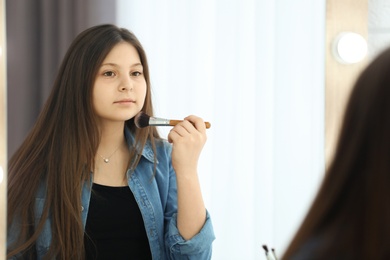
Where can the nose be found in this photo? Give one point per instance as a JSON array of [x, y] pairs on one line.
[[126, 84], [125, 88]]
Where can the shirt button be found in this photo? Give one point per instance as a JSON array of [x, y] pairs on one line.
[[82, 208]]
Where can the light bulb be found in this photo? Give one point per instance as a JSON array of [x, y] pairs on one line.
[[350, 48]]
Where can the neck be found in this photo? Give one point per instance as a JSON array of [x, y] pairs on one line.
[[112, 137], [112, 158]]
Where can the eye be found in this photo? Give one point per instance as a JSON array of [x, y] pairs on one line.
[[136, 73], [109, 74]]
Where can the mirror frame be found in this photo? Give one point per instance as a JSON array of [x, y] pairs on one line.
[[3, 133]]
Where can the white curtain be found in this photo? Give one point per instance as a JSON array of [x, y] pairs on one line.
[[255, 70]]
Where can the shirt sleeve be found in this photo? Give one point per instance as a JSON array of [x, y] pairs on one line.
[[198, 247]]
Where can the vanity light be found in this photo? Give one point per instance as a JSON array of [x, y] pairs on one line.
[[349, 48]]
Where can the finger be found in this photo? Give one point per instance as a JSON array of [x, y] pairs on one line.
[[184, 128], [197, 122], [170, 137], [175, 134]]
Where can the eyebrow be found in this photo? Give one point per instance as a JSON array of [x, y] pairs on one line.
[[116, 65]]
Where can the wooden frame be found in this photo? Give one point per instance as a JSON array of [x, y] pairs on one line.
[[3, 133], [341, 16]]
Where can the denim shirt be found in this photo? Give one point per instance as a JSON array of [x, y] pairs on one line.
[[157, 199]]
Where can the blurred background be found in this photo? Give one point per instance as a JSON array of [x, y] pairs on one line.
[[262, 72]]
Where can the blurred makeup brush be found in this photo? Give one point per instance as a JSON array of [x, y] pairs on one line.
[[268, 255], [265, 247], [142, 120]]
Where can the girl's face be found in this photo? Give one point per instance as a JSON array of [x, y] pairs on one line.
[[120, 88]]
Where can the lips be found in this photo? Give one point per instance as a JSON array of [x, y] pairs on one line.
[[124, 101]]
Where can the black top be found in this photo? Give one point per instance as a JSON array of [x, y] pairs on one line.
[[115, 228]]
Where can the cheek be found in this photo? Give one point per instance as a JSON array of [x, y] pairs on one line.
[[97, 98], [142, 94], [95, 105], [94, 102]]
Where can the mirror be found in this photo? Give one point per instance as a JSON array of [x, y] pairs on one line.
[[272, 193]]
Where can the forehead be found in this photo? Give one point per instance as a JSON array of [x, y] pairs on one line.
[[121, 53]]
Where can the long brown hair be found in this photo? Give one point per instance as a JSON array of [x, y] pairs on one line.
[[60, 149], [350, 216]]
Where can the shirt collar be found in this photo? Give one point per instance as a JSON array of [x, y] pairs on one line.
[[147, 152]]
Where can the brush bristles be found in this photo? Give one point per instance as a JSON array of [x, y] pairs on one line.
[[141, 120]]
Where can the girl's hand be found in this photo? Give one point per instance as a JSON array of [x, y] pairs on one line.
[[188, 138]]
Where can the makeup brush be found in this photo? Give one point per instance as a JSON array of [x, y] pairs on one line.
[[142, 120], [265, 247], [267, 253], [274, 254]]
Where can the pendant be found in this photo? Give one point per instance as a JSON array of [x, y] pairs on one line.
[[106, 160]]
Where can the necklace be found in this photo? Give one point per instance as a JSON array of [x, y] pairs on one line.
[[107, 159]]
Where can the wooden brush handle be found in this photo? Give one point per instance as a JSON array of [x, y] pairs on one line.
[[175, 122]]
